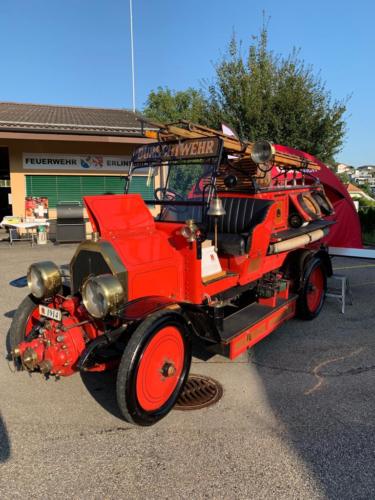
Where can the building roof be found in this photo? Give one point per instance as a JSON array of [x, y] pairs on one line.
[[68, 119], [352, 188], [366, 167], [355, 190]]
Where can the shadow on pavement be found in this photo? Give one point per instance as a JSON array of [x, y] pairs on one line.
[[4, 442], [320, 388], [8, 314], [102, 387]]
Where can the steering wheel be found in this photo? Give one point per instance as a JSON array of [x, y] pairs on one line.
[[167, 194]]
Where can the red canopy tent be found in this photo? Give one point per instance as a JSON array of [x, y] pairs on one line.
[[346, 232]]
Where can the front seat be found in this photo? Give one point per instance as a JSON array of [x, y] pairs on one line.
[[236, 226]]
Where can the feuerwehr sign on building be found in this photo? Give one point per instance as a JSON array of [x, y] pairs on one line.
[[46, 161]]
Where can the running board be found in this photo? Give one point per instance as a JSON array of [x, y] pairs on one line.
[[251, 324]]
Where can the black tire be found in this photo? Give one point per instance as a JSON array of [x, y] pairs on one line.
[[323, 202], [17, 331], [312, 295], [127, 397]]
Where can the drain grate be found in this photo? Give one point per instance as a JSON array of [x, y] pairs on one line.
[[199, 391]]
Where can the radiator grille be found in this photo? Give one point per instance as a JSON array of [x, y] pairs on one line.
[[87, 263]]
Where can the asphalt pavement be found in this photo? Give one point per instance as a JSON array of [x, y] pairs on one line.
[[296, 420]]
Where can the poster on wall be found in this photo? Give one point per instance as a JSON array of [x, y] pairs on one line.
[[52, 161], [36, 207]]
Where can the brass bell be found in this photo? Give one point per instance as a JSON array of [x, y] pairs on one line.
[[216, 208]]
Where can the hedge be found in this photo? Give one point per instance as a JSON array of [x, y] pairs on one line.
[[367, 218]]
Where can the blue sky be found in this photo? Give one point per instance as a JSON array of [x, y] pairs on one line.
[[78, 51]]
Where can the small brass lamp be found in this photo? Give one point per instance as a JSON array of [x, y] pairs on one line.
[[216, 210]]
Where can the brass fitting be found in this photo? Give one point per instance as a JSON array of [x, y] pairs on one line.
[[16, 353], [30, 359], [45, 366], [189, 230], [95, 236]]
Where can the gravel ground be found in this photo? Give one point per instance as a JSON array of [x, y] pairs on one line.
[[296, 419]]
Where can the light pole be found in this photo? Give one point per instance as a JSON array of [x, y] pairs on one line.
[[132, 51]]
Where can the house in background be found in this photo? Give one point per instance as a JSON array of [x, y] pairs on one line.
[[64, 153], [356, 193], [365, 175], [342, 168]]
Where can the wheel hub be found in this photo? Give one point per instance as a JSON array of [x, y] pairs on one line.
[[168, 369]]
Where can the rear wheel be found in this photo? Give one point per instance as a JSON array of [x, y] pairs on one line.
[[312, 295], [153, 369]]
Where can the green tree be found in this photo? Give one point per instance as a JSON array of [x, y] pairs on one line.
[[262, 96], [277, 98], [166, 106], [367, 189]]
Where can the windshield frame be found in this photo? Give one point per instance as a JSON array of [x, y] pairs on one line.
[[157, 155]]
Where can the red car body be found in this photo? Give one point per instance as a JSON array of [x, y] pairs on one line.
[[150, 274]]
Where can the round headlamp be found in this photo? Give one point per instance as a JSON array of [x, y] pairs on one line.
[[263, 151], [102, 295], [44, 279]]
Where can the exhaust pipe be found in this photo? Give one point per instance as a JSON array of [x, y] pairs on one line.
[[298, 241]]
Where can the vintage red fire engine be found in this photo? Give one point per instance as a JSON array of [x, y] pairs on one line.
[[227, 248]]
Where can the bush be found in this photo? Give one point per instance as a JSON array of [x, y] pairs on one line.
[[367, 218], [365, 203]]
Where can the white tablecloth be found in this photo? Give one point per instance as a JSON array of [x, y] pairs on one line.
[[24, 225]]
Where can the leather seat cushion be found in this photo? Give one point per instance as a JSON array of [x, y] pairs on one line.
[[230, 244]]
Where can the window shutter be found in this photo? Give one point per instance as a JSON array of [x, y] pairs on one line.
[[139, 185], [68, 187], [42, 185], [73, 187]]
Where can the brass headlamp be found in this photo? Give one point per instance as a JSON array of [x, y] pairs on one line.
[[44, 279], [103, 295]]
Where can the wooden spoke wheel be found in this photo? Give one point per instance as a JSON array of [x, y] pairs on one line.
[[312, 294], [153, 368], [309, 205]]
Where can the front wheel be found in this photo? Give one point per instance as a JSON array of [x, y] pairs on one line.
[[153, 369], [312, 295], [25, 320]]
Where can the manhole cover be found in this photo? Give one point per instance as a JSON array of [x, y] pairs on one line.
[[199, 391]]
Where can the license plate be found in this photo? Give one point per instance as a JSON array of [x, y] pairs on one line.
[[54, 314]]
